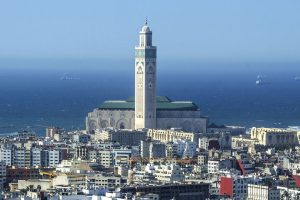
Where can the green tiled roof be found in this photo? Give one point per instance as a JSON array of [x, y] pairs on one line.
[[162, 103]]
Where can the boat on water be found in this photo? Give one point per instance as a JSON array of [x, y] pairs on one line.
[[260, 80], [66, 77], [297, 78]]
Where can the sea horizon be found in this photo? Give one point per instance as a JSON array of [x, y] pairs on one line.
[[34, 96]]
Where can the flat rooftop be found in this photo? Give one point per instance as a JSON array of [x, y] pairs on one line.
[[162, 103]]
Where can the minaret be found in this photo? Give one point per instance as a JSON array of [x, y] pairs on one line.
[[145, 81]]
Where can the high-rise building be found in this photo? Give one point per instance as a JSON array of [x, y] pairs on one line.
[[145, 81]]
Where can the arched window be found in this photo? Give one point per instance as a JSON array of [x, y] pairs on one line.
[[150, 70], [140, 70], [122, 126]]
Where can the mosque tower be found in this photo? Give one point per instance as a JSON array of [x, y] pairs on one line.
[[145, 80]]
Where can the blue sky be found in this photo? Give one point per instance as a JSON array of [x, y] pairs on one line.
[[219, 31]]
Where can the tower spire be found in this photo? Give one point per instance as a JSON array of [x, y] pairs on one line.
[[145, 80], [146, 23]]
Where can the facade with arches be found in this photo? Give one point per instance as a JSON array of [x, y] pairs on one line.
[[169, 114]]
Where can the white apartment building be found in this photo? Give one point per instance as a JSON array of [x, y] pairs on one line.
[[53, 158], [105, 180], [36, 157], [202, 160], [261, 192], [105, 158], [121, 156], [64, 166], [169, 173], [236, 186], [203, 143], [288, 193], [19, 157], [185, 148], [213, 166], [6, 155]]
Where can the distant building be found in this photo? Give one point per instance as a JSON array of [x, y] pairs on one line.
[[104, 180], [169, 173], [214, 166], [123, 137], [176, 191], [157, 150], [274, 136], [121, 156], [2, 175], [233, 130], [21, 157], [171, 135], [145, 148], [51, 131], [36, 156], [64, 179], [236, 187], [239, 142], [146, 110], [106, 158], [14, 174], [81, 138], [6, 155], [202, 160], [53, 158], [261, 192], [185, 148]]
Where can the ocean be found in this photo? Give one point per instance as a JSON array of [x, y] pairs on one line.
[[33, 96]]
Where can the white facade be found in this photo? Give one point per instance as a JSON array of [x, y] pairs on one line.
[[106, 158], [19, 157], [260, 192], [64, 166], [169, 173], [121, 156], [53, 158], [240, 185], [105, 180], [203, 143], [145, 81], [274, 136], [36, 157], [75, 180], [213, 166], [6, 155], [185, 148], [288, 193]]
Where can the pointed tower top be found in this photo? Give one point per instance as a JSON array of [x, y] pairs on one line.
[[145, 28]]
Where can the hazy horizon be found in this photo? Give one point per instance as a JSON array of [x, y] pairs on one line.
[[209, 31]]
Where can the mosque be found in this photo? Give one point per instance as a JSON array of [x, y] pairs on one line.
[[145, 109]]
